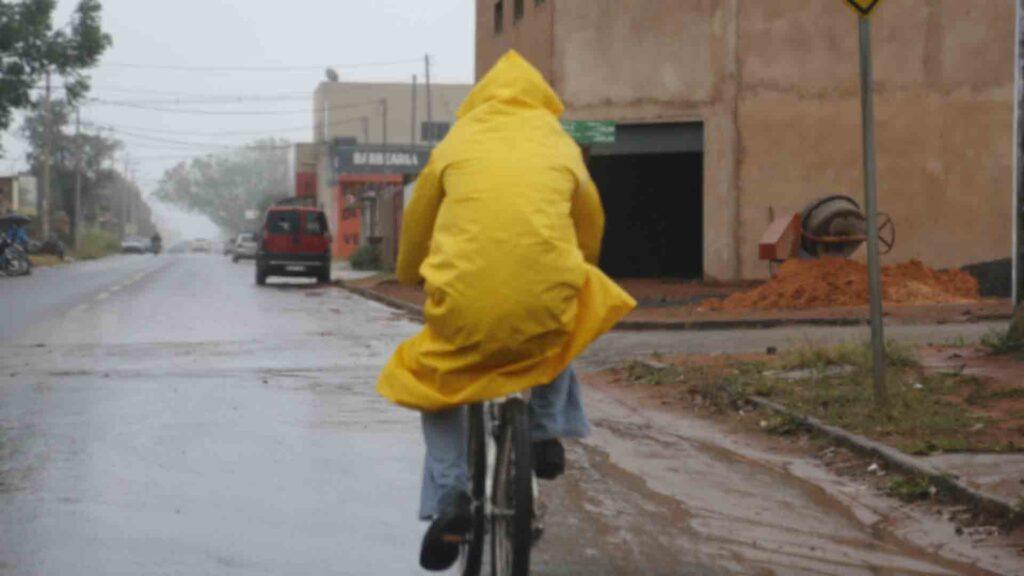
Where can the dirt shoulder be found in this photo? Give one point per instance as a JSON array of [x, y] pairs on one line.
[[668, 305], [943, 401]]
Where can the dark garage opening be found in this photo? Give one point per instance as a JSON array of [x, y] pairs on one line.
[[653, 202], [654, 209]]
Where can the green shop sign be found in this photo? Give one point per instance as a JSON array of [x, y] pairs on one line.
[[590, 131]]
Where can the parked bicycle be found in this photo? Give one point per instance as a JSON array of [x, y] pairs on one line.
[[502, 487]]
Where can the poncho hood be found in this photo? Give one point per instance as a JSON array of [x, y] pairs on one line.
[[513, 81]]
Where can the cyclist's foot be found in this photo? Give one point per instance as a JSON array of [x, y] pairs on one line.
[[548, 459], [440, 547]]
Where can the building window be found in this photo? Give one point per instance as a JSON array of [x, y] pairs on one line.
[[517, 11], [499, 16]]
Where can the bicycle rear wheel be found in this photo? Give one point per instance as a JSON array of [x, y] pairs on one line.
[[471, 552], [512, 515]]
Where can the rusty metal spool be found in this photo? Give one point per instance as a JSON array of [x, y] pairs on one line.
[[835, 226]]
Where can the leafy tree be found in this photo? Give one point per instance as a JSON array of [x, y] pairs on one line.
[[29, 46], [224, 186]]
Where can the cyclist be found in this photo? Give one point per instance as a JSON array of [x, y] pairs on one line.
[[505, 227], [17, 236]]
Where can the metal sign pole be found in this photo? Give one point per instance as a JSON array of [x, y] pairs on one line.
[[1018, 161], [871, 206]]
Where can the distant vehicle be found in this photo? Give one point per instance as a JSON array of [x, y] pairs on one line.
[[244, 247], [294, 241], [202, 246], [134, 245], [13, 259]]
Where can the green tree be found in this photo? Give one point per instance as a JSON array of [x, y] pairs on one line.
[[224, 186], [108, 200], [30, 46]]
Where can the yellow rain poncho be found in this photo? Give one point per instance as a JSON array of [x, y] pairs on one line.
[[505, 226]]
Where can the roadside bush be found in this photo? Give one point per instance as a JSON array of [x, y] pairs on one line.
[[365, 258], [96, 243]]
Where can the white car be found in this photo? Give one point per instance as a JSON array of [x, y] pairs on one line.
[[202, 245], [245, 246], [134, 245]]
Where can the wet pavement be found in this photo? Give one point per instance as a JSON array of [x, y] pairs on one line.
[[165, 416]]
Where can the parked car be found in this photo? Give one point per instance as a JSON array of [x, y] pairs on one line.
[[294, 241], [202, 246], [134, 245], [244, 246]]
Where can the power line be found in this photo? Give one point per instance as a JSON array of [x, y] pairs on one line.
[[172, 101], [248, 68], [142, 131], [205, 112]]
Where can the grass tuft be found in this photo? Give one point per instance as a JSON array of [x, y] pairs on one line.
[[910, 488]]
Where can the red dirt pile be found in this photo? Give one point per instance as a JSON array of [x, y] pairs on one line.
[[832, 282]]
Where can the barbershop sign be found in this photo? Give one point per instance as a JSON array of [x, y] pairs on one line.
[[381, 159]]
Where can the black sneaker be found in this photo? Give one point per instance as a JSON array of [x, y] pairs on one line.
[[548, 459], [440, 547]]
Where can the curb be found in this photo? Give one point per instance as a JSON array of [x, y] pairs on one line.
[[673, 326], [654, 326], [988, 504], [414, 311]]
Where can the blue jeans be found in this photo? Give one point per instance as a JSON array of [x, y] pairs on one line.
[[556, 411]]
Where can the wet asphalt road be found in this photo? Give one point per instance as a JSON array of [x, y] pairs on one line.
[[165, 416]]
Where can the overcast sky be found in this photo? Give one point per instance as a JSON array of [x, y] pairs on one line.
[[270, 50]]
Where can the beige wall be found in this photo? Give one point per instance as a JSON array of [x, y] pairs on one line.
[[345, 104], [776, 84], [944, 73], [531, 36]]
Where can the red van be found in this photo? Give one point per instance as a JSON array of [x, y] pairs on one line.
[[294, 241]]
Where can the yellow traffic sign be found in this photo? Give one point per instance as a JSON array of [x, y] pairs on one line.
[[864, 7]]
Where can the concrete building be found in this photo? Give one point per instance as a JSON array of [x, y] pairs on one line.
[[370, 139], [18, 194], [731, 112]]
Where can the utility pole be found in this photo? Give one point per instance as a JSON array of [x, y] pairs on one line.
[[384, 120], [78, 179], [44, 197], [124, 199], [412, 133], [430, 102], [327, 120]]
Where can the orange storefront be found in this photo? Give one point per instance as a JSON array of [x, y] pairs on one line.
[[369, 196]]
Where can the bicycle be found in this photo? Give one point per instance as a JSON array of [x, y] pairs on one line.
[[500, 458]]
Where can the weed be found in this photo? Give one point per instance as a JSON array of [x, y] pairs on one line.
[[999, 342], [910, 488], [859, 355], [782, 425], [652, 375]]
